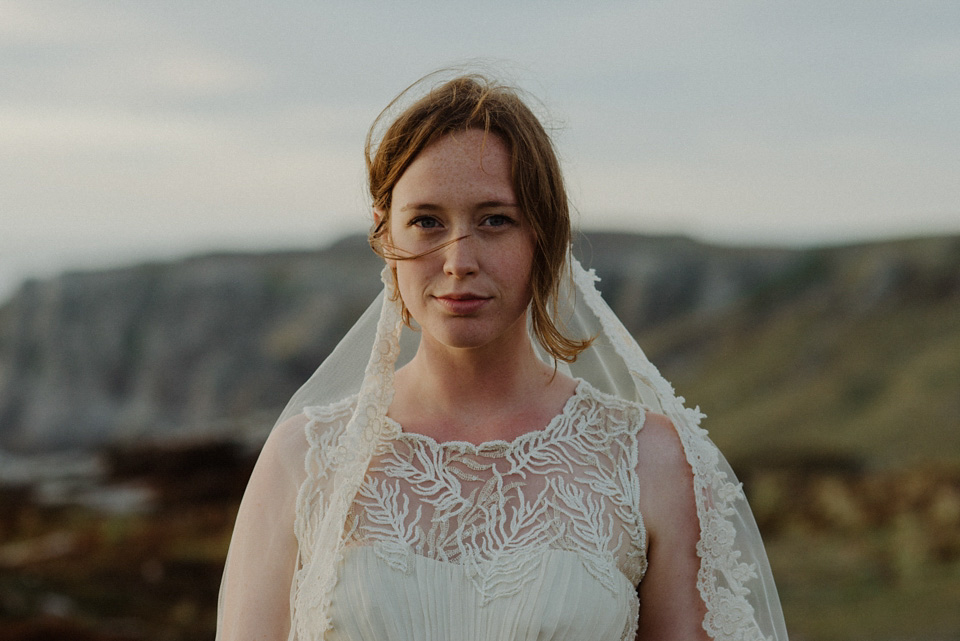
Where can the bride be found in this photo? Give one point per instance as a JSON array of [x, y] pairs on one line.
[[488, 454]]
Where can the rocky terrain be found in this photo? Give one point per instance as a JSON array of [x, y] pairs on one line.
[[156, 350]]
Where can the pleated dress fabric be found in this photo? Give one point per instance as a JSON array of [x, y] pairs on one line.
[[437, 601]]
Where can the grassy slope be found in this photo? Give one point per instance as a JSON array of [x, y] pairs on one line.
[[826, 367]]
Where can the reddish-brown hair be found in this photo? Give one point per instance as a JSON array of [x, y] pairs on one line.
[[476, 102]]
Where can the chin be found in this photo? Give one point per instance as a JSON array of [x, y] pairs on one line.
[[461, 341], [466, 337]]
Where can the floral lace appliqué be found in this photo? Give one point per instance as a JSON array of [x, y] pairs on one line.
[[495, 508]]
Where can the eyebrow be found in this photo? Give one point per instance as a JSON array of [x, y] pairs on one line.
[[487, 204]]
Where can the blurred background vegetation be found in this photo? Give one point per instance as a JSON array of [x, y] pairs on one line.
[[133, 403]]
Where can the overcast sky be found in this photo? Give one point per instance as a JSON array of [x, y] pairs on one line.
[[151, 129]]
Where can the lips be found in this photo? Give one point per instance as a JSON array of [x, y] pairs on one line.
[[462, 304]]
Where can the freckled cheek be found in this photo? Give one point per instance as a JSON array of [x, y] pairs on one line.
[[412, 282], [518, 270]]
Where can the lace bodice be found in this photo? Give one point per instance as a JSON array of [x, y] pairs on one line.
[[505, 514]]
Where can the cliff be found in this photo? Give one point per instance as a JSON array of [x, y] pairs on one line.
[[216, 344], [195, 346]]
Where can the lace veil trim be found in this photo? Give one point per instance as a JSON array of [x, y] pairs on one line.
[[731, 562]]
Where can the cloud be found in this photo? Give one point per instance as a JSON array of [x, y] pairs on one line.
[[203, 74], [43, 130], [173, 124], [24, 23]]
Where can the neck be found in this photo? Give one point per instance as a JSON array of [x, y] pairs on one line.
[[469, 394], [493, 372]]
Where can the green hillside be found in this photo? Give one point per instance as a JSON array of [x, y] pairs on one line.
[[854, 357]]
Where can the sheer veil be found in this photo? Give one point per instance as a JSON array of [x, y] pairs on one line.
[[734, 579]]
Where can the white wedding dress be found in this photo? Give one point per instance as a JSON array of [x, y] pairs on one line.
[[381, 534], [540, 538]]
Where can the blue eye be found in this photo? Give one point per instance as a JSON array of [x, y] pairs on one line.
[[498, 220], [425, 222]]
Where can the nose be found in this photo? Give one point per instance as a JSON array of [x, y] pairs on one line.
[[460, 257]]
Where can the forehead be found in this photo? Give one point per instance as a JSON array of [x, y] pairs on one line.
[[463, 165]]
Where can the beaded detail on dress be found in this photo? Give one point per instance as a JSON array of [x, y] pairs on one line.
[[495, 508]]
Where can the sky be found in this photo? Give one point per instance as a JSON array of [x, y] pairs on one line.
[[150, 130]]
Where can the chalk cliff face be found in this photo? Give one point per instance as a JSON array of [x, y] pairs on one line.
[[220, 342], [196, 345]]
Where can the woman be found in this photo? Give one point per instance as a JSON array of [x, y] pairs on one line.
[[526, 473]]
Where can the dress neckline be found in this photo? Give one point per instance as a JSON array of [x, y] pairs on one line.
[[497, 445]]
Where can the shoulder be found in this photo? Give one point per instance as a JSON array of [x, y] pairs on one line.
[[282, 455], [290, 440], [665, 476], [331, 413], [322, 424], [661, 457], [661, 448], [616, 416]]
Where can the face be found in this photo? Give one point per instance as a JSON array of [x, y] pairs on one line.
[[473, 292]]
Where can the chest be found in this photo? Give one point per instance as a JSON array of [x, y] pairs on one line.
[[481, 506]]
